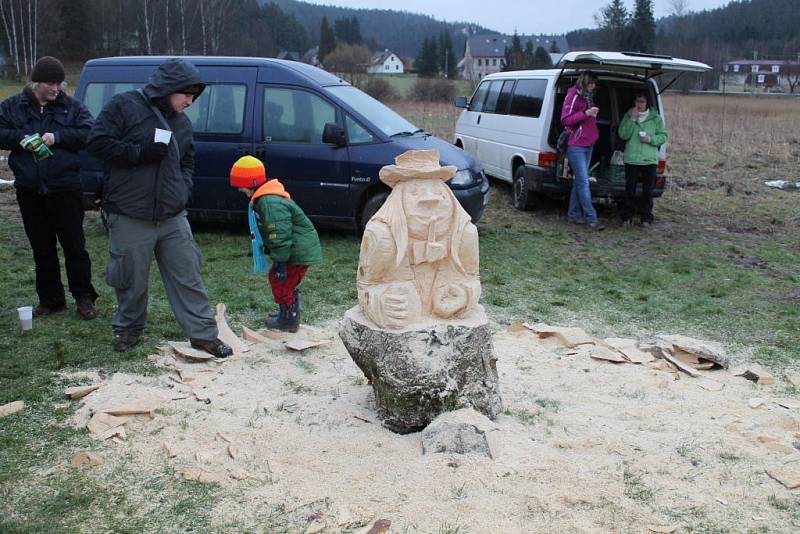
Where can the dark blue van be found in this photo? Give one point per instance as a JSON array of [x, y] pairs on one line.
[[323, 138]]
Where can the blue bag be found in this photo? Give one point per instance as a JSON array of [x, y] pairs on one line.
[[257, 245]]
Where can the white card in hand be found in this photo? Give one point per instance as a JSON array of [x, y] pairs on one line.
[[162, 136]]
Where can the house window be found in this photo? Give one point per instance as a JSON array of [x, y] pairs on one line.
[[494, 62], [397, 67], [776, 68], [736, 68], [753, 68], [479, 62], [760, 78], [386, 67]]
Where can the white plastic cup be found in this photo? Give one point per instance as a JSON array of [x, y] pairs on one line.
[[25, 317]]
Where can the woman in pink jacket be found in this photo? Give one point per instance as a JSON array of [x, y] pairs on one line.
[[579, 117]]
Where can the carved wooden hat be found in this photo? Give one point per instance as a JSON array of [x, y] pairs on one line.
[[415, 165]]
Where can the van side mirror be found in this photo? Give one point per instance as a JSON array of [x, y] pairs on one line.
[[460, 102], [333, 134]]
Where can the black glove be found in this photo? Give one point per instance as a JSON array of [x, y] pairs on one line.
[[154, 152], [279, 270]]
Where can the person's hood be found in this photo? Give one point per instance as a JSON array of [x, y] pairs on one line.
[[172, 76], [272, 187]]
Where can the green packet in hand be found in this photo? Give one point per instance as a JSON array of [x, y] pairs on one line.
[[35, 145]]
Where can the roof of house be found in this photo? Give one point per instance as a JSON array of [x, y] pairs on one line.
[[758, 62], [380, 57], [486, 45], [289, 54]]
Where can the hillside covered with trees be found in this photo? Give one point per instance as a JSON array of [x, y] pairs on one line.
[[768, 28], [383, 28]]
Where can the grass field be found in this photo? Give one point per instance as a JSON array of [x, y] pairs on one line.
[[722, 263], [402, 84]]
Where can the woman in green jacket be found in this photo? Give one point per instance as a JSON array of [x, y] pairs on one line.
[[644, 132]]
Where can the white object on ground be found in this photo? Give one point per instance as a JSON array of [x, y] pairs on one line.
[[25, 317]]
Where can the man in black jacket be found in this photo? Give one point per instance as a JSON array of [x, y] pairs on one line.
[[48, 188], [146, 142]]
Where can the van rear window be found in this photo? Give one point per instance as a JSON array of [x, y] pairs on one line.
[[98, 94], [528, 97], [220, 109]]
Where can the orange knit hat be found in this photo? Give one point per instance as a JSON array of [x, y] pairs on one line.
[[248, 172]]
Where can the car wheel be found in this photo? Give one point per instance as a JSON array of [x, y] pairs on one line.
[[522, 198], [371, 207]]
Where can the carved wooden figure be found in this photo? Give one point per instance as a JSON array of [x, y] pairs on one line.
[[419, 254]]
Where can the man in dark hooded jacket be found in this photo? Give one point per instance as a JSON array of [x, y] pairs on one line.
[[146, 142], [49, 188]]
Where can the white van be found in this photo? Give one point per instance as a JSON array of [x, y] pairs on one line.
[[513, 120]]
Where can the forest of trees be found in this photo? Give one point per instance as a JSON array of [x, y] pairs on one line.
[[437, 57], [519, 58], [383, 28], [76, 30], [768, 28]]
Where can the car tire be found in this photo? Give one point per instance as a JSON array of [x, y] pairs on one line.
[[371, 207], [522, 198]]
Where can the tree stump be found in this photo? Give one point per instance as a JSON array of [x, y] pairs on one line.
[[425, 370]]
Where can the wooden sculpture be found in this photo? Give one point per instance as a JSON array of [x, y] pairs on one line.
[[419, 254]]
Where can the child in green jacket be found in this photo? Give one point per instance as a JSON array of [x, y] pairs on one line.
[[280, 230], [644, 132]]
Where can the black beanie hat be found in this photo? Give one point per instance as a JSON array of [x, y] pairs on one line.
[[48, 70]]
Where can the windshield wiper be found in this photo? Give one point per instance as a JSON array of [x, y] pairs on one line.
[[408, 134]]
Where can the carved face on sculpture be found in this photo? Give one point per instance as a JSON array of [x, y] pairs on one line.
[[426, 202]]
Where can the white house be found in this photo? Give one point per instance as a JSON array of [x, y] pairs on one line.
[[759, 75], [386, 62], [485, 54]]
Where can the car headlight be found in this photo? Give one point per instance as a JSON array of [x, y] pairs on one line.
[[462, 178]]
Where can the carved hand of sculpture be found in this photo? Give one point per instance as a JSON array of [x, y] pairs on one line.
[[393, 305], [449, 300]]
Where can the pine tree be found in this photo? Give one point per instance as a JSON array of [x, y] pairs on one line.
[[355, 31], [613, 23], [541, 59], [74, 28], [427, 62], [642, 27], [448, 62], [529, 61], [432, 58], [515, 56], [327, 40]]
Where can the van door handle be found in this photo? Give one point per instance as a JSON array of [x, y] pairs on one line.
[[261, 153], [243, 151], [479, 119]]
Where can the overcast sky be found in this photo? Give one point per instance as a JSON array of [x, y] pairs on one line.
[[524, 16]]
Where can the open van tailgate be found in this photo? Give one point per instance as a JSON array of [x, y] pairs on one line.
[[632, 62]]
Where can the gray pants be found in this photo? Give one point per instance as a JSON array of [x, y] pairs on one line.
[[131, 244]]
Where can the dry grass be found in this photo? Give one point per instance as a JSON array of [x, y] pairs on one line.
[[733, 135], [439, 118]]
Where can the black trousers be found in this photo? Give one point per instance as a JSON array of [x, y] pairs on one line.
[[51, 217], [634, 174]]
